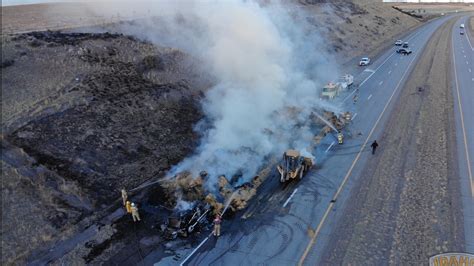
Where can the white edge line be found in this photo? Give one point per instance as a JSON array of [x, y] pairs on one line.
[[373, 71], [329, 208], [469, 171], [330, 146], [349, 173], [194, 251], [362, 83], [370, 96], [354, 117], [383, 63], [468, 39], [291, 196], [347, 97], [202, 243]]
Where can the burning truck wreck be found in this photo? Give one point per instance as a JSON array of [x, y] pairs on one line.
[[194, 204], [185, 223], [262, 101]]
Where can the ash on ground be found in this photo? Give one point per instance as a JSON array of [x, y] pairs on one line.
[[85, 114]]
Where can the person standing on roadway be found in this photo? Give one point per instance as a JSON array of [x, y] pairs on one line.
[[340, 137], [135, 214], [217, 225], [374, 146], [355, 98]]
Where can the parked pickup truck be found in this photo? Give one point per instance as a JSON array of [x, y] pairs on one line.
[[365, 61]]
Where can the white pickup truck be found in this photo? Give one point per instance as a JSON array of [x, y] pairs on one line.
[[365, 61], [332, 89]]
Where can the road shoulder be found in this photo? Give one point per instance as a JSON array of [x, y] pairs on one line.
[[406, 206]]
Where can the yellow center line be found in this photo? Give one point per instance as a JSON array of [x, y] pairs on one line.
[[349, 172], [469, 171]]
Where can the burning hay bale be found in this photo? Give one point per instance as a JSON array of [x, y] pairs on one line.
[[216, 205], [242, 196], [225, 189], [185, 186], [228, 197]]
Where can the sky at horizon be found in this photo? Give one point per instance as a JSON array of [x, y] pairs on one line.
[[26, 2]]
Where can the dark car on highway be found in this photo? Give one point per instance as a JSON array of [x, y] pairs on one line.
[[405, 45], [404, 51]]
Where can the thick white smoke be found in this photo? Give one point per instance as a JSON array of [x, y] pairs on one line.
[[268, 63], [264, 63]]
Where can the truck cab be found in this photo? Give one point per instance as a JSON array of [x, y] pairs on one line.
[[331, 90], [365, 61]]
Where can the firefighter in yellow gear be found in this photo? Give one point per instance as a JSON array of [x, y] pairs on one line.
[[124, 196], [340, 138], [128, 207], [135, 214]]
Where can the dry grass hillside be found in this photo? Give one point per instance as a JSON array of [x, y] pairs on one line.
[[354, 28], [359, 27]]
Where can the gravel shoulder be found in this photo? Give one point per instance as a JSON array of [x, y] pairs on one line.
[[406, 206]]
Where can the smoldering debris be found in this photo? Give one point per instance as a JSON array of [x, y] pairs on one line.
[[184, 223], [231, 195]]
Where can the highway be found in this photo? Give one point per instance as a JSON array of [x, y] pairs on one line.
[[463, 91], [291, 226]]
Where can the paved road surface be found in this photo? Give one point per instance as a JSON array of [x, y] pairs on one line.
[[463, 91], [406, 205], [287, 228]]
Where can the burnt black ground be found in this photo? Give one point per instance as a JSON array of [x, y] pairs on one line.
[[83, 115]]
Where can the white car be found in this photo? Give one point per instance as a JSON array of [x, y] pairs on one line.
[[365, 61], [399, 43], [461, 26]]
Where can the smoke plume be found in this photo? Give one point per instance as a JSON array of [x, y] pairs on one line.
[[268, 64]]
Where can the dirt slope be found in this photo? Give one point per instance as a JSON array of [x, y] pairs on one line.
[[82, 116], [353, 28], [359, 27], [405, 208]]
